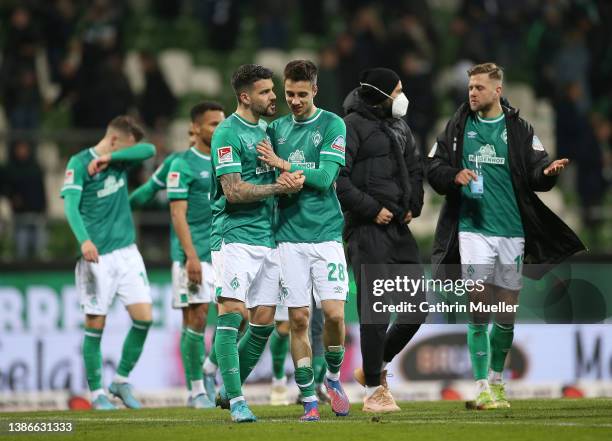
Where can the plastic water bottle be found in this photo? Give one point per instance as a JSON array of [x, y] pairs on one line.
[[477, 187]]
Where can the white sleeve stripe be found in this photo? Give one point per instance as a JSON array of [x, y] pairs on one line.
[[177, 190], [72, 187], [158, 181], [233, 164], [334, 154], [227, 328]]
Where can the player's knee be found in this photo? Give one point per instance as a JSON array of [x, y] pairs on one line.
[[299, 321], [334, 317]]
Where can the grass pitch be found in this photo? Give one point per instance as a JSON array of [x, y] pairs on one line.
[[550, 420]]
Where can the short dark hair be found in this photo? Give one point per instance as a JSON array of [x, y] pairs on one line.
[[247, 74], [494, 71], [201, 108], [127, 125], [301, 70]]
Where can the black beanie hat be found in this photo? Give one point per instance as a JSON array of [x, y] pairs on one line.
[[381, 78]]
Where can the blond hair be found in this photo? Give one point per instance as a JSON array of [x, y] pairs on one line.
[[494, 71]]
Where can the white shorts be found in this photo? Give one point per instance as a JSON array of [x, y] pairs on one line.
[[216, 259], [120, 272], [184, 293], [281, 314], [317, 269], [250, 273], [496, 260]]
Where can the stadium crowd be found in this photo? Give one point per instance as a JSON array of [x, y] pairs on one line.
[[558, 47]]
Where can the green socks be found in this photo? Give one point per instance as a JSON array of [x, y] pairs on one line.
[[478, 345], [251, 346], [333, 357], [279, 345], [195, 344], [227, 352], [501, 342], [132, 347], [319, 367], [185, 357], [304, 378], [93, 358]]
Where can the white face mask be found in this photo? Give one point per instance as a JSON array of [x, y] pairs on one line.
[[399, 108]]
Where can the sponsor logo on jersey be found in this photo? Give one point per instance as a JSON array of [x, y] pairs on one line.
[[281, 141], [536, 144], [339, 144], [225, 154], [486, 155], [111, 185], [504, 136], [471, 134], [69, 177], [264, 168], [173, 179], [316, 138], [299, 158]]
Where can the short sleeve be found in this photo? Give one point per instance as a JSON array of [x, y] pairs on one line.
[[178, 180], [334, 142], [226, 152], [74, 177], [161, 173]]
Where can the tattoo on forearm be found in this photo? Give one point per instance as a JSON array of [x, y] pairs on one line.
[[239, 192]]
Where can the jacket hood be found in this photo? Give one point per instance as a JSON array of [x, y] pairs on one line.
[[352, 102]]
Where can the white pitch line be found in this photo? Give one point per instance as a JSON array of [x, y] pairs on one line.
[[334, 421]]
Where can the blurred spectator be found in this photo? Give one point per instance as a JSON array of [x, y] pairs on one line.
[[222, 21], [348, 63], [572, 64], [103, 96], [157, 103], [59, 26], [21, 97], [576, 140], [475, 30], [313, 17], [22, 39], [329, 82], [369, 33], [167, 10], [272, 23], [24, 187]]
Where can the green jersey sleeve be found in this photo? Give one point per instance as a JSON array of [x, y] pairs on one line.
[[161, 173], [334, 142], [179, 179], [74, 177], [226, 152]]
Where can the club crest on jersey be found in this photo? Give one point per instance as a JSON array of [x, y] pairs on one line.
[[471, 134], [173, 179], [225, 154], [316, 138], [281, 141], [69, 177], [339, 144], [504, 136]]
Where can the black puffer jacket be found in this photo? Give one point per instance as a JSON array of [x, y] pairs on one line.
[[547, 239], [383, 166]]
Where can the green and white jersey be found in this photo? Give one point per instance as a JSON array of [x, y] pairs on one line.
[[234, 145], [496, 213], [310, 215], [160, 174], [104, 206], [189, 178]]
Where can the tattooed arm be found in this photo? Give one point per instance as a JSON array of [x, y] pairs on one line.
[[239, 192]]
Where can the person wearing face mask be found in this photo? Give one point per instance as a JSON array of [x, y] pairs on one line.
[[381, 191]]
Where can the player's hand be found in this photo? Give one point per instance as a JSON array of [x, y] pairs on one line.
[[291, 182], [89, 251], [383, 217], [194, 270], [99, 164], [268, 156], [465, 176], [408, 217], [556, 167]]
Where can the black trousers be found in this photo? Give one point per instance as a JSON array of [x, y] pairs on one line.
[[378, 244]]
